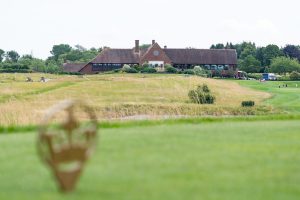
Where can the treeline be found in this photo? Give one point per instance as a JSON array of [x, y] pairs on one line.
[[11, 61], [251, 59], [271, 58]]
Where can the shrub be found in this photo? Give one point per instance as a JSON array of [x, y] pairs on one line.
[[201, 95], [189, 71], [131, 70], [170, 69], [199, 71], [255, 76], [137, 67], [128, 69], [125, 67], [248, 103], [149, 70], [295, 76], [145, 65]]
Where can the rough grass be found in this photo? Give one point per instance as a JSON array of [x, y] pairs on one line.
[[118, 96], [220, 160]]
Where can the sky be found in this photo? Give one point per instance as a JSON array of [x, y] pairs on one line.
[[34, 26]]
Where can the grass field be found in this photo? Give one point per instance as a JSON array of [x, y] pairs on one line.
[[224, 157], [121, 96], [285, 98], [218, 160]]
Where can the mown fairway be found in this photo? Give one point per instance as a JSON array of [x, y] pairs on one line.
[[118, 96], [285, 98], [219, 160]]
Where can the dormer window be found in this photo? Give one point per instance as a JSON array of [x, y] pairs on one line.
[[156, 53]]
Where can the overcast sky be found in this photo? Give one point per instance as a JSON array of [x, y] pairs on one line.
[[36, 25]]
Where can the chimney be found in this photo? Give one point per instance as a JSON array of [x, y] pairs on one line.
[[153, 42], [137, 46], [165, 47]]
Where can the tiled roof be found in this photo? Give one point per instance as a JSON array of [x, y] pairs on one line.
[[73, 67], [202, 56], [117, 56]]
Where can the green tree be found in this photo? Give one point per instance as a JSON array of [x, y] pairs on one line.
[[284, 65], [217, 46], [12, 56], [60, 49], [250, 64], [271, 51], [248, 49], [291, 51], [2, 53], [260, 55]]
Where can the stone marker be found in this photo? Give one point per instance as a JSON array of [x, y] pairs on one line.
[[65, 147]]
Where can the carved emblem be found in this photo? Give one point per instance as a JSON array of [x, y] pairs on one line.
[[65, 146]]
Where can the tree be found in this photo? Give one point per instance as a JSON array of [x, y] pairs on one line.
[[295, 76], [60, 49], [80, 48], [291, 51], [12, 56], [229, 46], [247, 50], [2, 53], [260, 55], [250, 64], [34, 64], [271, 51], [217, 46], [284, 65]]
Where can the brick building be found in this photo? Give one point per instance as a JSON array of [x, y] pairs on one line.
[[110, 59]]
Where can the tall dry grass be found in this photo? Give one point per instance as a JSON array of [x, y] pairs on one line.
[[122, 95]]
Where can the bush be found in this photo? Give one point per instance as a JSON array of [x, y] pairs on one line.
[[248, 103], [128, 69], [189, 71], [170, 69], [149, 70], [295, 76], [131, 70], [145, 65], [201, 95], [125, 67], [254, 76], [137, 67], [199, 71]]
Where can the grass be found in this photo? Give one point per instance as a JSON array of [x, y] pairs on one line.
[[212, 157], [121, 96], [218, 160], [284, 98]]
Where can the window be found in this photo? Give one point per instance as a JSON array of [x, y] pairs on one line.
[[207, 67], [156, 53], [220, 67], [213, 67]]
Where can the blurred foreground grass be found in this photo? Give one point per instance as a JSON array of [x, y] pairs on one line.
[[219, 160]]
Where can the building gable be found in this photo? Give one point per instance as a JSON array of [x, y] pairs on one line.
[[155, 53]]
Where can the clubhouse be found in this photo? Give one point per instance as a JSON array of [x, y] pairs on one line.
[[110, 59]]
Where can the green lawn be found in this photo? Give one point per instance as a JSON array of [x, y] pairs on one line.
[[285, 98], [217, 160]]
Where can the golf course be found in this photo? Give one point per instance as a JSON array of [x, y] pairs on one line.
[[155, 144]]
